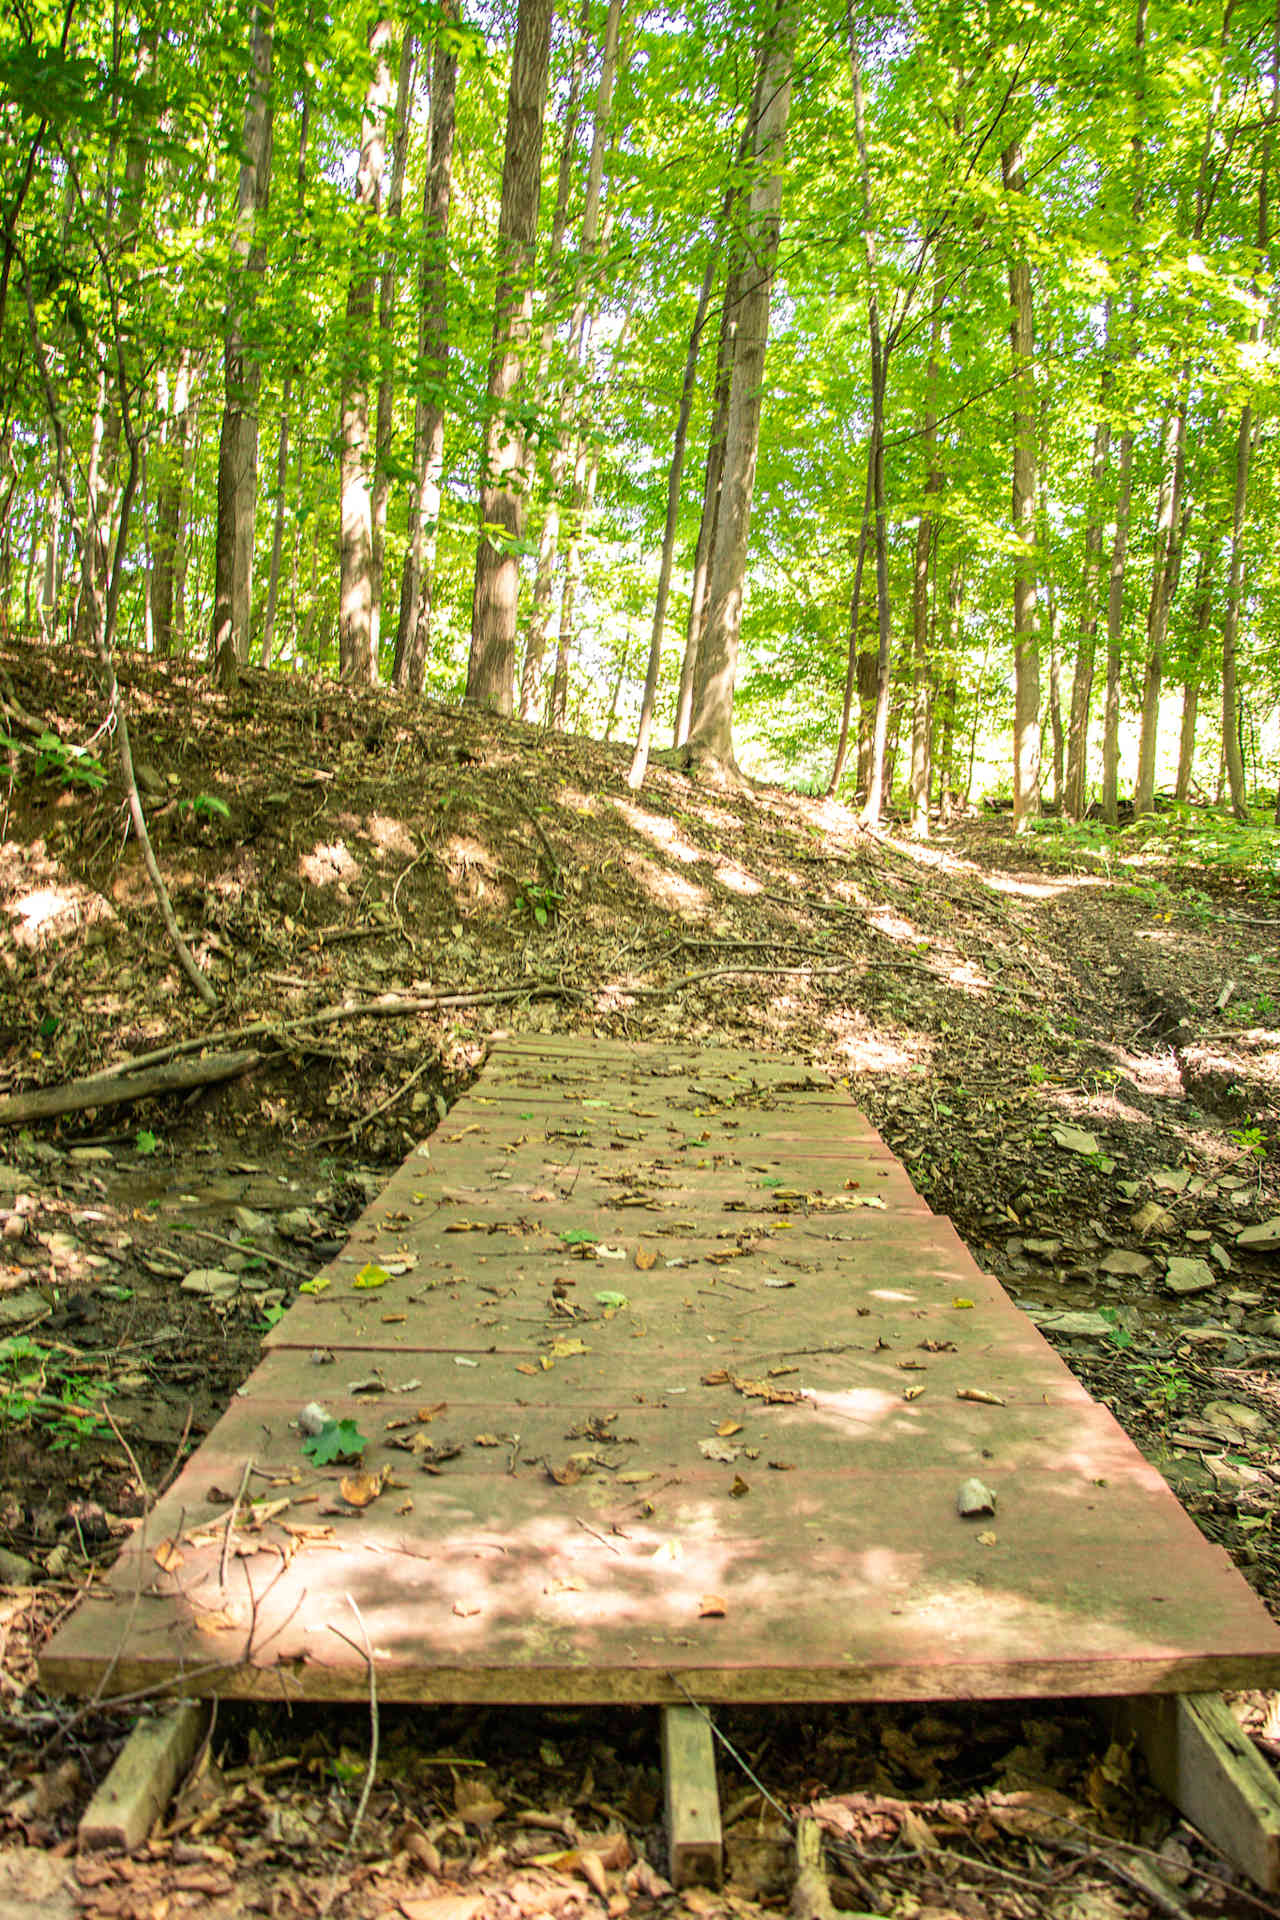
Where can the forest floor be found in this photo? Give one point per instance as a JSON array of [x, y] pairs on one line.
[[1073, 1046]]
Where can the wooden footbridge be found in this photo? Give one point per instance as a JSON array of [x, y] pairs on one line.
[[672, 1389]]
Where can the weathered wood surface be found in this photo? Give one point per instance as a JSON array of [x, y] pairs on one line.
[[555, 1524], [695, 1842]]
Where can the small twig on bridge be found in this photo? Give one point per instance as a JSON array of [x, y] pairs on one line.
[[232, 1517]]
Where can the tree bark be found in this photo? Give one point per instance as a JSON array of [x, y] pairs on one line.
[[1026, 636], [286, 399], [854, 654], [1115, 633], [417, 583], [357, 652], [711, 727], [926, 536], [386, 320], [171, 493], [491, 666], [1086, 642], [1165, 564], [238, 442], [535, 648], [1197, 639], [640, 757], [586, 295]]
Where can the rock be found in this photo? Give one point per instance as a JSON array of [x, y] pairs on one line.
[[215, 1283], [1186, 1276], [1171, 1179], [1271, 1326], [1124, 1260], [1263, 1236], [1153, 1218], [14, 1570], [1076, 1140], [1072, 1326], [298, 1223], [91, 1156], [250, 1222], [1043, 1249], [13, 1179], [1236, 1416]]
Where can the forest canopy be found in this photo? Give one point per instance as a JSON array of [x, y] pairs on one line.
[[885, 397]]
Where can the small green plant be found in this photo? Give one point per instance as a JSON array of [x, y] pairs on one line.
[[51, 757], [271, 1317], [1251, 1140], [541, 900], [205, 806], [1037, 1074], [39, 1389], [1120, 1335], [1163, 1387], [146, 1143]]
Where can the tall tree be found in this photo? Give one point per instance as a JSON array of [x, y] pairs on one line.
[[491, 666], [1026, 632], [238, 443], [711, 727]]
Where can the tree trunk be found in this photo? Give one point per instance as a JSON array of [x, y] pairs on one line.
[[417, 582], [491, 666], [282, 441], [640, 757], [171, 493], [1026, 637], [1090, 580], [584, 463], [535, 648], [711, 727], [1165, 563], [386, 342], [1233, 758], [1056, 735], [1115, 633], [357, 655], [854, 656], [1197, 639], [238, 442], [926, 536]]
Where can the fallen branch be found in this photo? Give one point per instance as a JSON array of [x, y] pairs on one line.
[[115, 1089]]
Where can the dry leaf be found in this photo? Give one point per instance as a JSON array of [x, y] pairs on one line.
[[712, 1607], [362, 1489], [566, 1349], [635, 1476], [486, 1440], [444, 1906], [566, 1476], [718, 1450], [738, 1488], [429, 1413], [729, 1427], [783, 1466], [981, 1395], [987, 1539], [913, 1393], [167, 1555], [464, 1610], [645, 1257]]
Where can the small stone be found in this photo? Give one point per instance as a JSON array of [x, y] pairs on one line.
[[14, 1570], [1199, 1236], [1263, 1236], [1072, 1326], [214, 1283], [1129, 1188], [1043, 1249], [1152, 1218], [1186, 1276], [1076, 1140], [297, 1223], [1124, 1260], [1235, 1415], [1171, 1179], [91, 1156], [250, 1222]]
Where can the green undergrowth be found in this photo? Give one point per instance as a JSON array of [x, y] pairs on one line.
[[1178, 845]]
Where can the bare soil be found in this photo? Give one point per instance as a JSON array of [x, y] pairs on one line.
[[1077, 1058]]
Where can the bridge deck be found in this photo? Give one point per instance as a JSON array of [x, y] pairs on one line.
[[663, 1369]]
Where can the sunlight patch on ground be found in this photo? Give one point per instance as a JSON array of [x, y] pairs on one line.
[[37, 914], [894, 927], [738, 880], [390, 836], [584, 803], [329, 866], [862, 1049], [668, 889], [1025, 886], [663, 833]]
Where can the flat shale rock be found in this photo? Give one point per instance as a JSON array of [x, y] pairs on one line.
[[1184, 1276]]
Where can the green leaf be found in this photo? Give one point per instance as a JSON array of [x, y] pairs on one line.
[[146, 1142], [579, 1237], [609, 1299], [371, 1275], [336, 1440]]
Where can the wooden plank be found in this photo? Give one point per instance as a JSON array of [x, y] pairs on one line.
[[146, 1770], [567, 1535], [695, 1844], [1203, 1761]]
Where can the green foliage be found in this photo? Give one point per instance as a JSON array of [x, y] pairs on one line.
[[337, 1440], [205, 806], [49, 757], [146, 1142], [39, 1388], [540, 900]]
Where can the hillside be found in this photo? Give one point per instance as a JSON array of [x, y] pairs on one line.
[[1074, 1047]]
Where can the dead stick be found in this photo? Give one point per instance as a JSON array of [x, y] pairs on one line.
[[114, 1090], [231, 1521]]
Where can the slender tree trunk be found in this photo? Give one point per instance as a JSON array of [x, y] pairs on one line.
[[1090, 580], [386, 321], [535, 649], [1232, 756], [587, 293], [238, 443], [640, 757], [1115, 633], [1026, 636], [286, 398], [711, 727], [417, 584], [926, 536], [170, 497], [1164, 577], [1197, 640], [491, 667], [1056, 734], [357, 656], [854, 654]]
